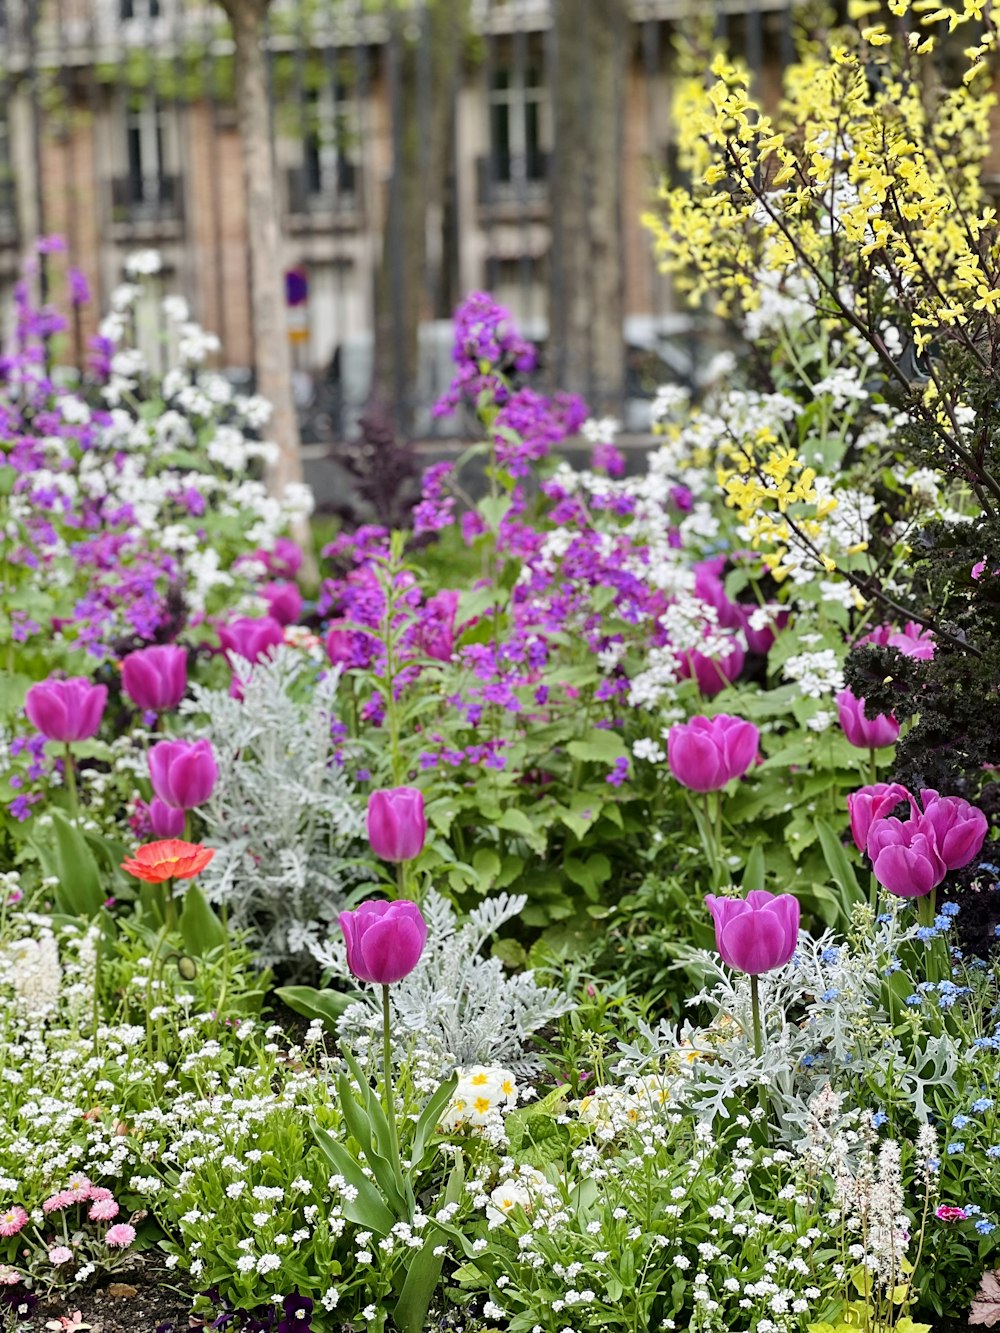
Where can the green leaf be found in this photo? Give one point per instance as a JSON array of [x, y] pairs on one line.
[[201, 929], [359, 1121], [755, 869], [838, 864], [367, 1209], [589, 874], [486, 864], [430, 1117], [326, 1005], [68, 858], [494, 508], [599, 746], [424, 1270]]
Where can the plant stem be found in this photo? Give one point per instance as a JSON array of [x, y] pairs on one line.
[[872, 766], [390, 1101], [70, 774], [758, 1039], [170, 907], [400, 879]]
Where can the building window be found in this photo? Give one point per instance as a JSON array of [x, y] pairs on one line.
[[144, 147], [143, 10], [517, 108], [329, 166]]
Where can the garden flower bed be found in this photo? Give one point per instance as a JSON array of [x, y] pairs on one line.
[[578, 911]]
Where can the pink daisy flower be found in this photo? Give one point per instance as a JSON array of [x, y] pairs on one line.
[[13, 1220], [120, 1236], [56, 1202], [9, 1277], [79, 1187], [103, 1210], [99, 1192], [60, 1254]]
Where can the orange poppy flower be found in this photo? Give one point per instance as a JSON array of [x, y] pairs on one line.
[[171, 858]]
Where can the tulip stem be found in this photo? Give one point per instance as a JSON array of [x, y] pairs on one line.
[[401, 880], [872, 766], [69, 772], [758, 1039], [390, 1101], [758, 1046]]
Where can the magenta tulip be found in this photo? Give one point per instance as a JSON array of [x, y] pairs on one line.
[[959, 828], [156, 678], [183, 773], [757, 933], [870, 803], [711, 674], [905, 857], [251, 639], [66, 710], [397, 825], [707, 752], [167, 821], [284, 602], [384, 940], [866, 733]]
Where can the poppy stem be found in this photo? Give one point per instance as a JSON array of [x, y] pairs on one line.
[[390, 1101], [69, 772]]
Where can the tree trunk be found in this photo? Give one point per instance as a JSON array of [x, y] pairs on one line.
[[421, 103], [272, 355], [587, 353]]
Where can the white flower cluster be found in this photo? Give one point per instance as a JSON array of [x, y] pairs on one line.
[[482, 1096]]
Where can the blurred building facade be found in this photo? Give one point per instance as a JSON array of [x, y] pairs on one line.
[[118, 132]]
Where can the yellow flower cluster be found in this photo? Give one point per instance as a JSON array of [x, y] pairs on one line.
[[861, 179], [481, 1095], [772, 491]]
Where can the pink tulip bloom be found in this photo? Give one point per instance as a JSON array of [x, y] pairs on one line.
[[183, 773], [156, 678], [757, 933], [284, 602], [384, 940], [167, 821], [397, 825], [284, 561], [711, 674], [870, 803], [866, 733], [905, 857], [707, 752], [251, 639], [66, 710], [959, 828]]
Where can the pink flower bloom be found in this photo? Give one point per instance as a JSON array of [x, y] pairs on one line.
[[384, 940], [959, 828], [865, 732], [79, 1187], [56, 1202], [870, 803], [905, 856], [707, 752], [949, 1213], [12, 1221], [100, 1192], [120, 1236], [397, 825], [60, 1254], [757, 933], [103, 1210], [9, 1277]]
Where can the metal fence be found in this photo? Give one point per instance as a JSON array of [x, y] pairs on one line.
[[422, 149]]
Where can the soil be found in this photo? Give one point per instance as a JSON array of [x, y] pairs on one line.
[[140, 1297]]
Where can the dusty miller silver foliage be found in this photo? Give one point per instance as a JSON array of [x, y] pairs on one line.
[[456, 1003], [284, 819]]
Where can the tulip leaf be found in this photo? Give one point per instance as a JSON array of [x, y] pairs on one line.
[[201, 929], [424, 1270], [367, 1208], [359, 1125], [430, 1117], [326, 1005], [67, 858], [839, 865], [755, 869]]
